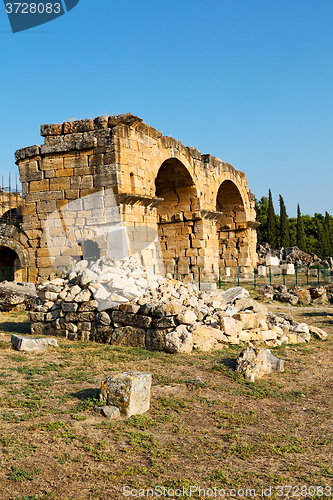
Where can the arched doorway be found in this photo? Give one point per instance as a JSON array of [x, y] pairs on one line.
[[176, 216], [9, 263], [11, 217], [231, 227]]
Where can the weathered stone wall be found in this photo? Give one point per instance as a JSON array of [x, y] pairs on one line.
[[200, 206]]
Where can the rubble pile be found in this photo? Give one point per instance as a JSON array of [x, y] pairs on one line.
[[296, 295], [121, 303], [292, 255]]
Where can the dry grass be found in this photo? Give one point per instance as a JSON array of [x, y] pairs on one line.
[[225, 433]]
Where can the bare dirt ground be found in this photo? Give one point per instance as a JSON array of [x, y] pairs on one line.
[[273, 436]]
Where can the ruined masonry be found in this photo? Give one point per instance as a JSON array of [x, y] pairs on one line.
[[200, 207]]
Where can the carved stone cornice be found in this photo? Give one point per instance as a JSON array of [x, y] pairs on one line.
[[138, 199]]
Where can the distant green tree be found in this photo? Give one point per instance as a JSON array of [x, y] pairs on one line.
[[271, 222], [328, 234], [321, 249], [300, 234], [284, 225], [262, 211]]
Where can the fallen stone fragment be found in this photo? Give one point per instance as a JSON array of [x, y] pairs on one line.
[[255, 363], [187, 317], [111, 412], [318, 332], [249, 320], [230, 326], [129, 391], [30, 344], [177, 341], [304, 297], [233, 294], [286, 297]]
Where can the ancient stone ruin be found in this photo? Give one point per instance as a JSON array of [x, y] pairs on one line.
[[200, 207]]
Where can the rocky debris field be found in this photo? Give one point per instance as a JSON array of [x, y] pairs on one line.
[[291, 255], [294, 295], [119, 302]]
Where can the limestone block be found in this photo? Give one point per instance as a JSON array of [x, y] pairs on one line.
[[128, 336], [233, 340], [255, 363], [129, 391], [38, 186], [318, 332], [245, 336], [155, 338], [66, 172], [36, 316], [59, 184], [272, 261], [278, 330], [248, 320], [52, 163], [301, 328], [253, 305], [187, 317], [131, 319], [51, 129], [179, 341], [69, 306], [164, 322], [267, 335], [230, 326], [111, 412], [233, 294], [304, 297], [21, 343], [295, 339]]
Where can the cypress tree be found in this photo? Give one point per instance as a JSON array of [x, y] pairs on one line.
[[271, 225], [300, 234], [328, 234], [322, 241], [284, 225]]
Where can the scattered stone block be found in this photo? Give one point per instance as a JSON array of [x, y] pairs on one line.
[[255, 363], [272, 261], [187, 317], [304, 297], [129, 391], [111, 412], [230, 326], [233, 294], [267, 335], [249, 320], [318, 332], [177, 341], [31, 344]]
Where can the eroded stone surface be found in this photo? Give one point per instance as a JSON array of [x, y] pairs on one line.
[[129, 391], [255, 363], [21, 343]]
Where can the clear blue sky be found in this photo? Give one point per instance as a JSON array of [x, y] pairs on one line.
[[249, 81]]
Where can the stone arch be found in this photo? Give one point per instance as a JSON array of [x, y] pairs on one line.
[[177, 213], [10, 238], [229, 201], [233, 228]]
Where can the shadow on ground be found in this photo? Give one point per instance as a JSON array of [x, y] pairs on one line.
[[15, 327]]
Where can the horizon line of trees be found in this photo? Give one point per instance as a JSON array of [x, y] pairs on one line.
[[310, 234]]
